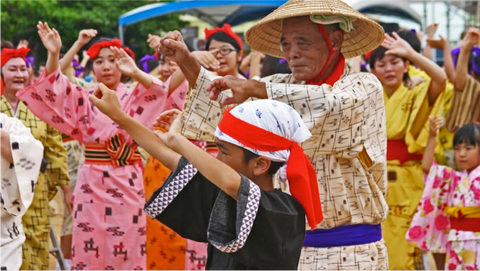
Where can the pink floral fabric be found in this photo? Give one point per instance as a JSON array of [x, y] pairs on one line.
[[430, 228]]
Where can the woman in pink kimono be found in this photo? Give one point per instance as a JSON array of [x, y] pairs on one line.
[[448, 217], [108, 221]]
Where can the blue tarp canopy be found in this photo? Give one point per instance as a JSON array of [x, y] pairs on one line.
[[216, 13], [235, 12]]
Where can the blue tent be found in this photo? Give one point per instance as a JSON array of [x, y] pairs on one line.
[[216, 13], [236, 12]]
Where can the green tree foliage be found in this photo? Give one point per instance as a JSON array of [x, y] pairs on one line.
[[19, 19]]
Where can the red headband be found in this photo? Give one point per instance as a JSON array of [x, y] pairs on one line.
[[227, 30], [95, 48], [300, 172], [8, 54]]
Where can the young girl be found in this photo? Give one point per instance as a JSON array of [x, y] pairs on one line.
[[109, 224], [448, 217]]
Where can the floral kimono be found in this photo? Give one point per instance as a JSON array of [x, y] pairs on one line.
[[433, 226]]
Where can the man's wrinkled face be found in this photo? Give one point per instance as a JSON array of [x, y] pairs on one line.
[[304, 47]]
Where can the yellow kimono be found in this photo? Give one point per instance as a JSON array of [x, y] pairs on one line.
[[444, 146], [407, 112], [54, 172]]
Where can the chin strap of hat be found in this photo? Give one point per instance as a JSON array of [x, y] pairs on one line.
[[316, 81]]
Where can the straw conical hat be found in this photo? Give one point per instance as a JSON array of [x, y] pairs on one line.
[[265, 35]]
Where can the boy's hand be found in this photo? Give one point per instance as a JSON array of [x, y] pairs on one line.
[[435, 124], [169, 125], [106, 101], [441, 44]]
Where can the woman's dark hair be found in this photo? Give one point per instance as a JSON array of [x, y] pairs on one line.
[[7, 44], [220, 36], [274, 166], [378, 54], [469, 134], [410, 37]]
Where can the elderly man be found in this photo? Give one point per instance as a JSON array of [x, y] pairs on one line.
[[344, 112]]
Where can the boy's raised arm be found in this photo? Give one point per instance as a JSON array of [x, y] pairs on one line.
[[106, 101], [167, 147]]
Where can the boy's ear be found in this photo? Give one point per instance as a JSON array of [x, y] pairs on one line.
[[261, 166]]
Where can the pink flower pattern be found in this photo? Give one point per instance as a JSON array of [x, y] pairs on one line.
[[430, 228]]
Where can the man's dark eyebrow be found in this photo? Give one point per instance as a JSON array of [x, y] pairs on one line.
[[301, 39]]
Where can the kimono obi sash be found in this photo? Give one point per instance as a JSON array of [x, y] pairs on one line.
[[348, 235], [464, 218], [398, 150], [116, 151], [67, 138]]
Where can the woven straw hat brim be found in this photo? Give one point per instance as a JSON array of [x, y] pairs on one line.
[[265, 35]]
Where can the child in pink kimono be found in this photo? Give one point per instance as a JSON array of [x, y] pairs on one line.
[[448, 217], [108, 221]]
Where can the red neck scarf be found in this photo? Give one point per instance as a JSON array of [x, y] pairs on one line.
[[227, 30], [94, 50], [300, 172], [8, 54], [337, 72]]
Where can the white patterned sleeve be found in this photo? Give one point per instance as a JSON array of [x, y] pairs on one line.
[[19, 179], [247, 204], [170, 190]]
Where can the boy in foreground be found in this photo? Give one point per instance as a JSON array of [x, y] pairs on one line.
[[230, 202]]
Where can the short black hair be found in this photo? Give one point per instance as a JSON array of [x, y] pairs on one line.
[[378, 54], [469, 134], [274, 166], [220, 36]]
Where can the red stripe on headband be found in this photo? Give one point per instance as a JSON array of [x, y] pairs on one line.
[[227, 30], [8, 54], [300, 172], [94, 50]]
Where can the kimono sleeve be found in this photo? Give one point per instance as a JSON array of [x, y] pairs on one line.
[[430, 225], [184, 202], [261, 229], [417, 133], [19, 179], [202, 115], [336, 116], [464, 108], [61, 104], [56, 157]]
